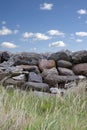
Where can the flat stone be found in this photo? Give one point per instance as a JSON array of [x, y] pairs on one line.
[[36, 86], [20, 77], [15, 83], [30, 68]]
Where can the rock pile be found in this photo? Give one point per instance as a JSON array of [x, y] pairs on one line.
[[40, 72]]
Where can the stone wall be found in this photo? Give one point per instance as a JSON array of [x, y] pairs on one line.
[[43, 72]]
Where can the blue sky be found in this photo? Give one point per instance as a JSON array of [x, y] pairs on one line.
[[43, 25]]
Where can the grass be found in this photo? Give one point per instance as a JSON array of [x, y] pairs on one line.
[[20, 110]]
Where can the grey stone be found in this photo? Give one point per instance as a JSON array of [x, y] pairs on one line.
[[63, 63], [62, 55], [79, 57], [26, 58], [33, 77], [5, 56], [36, 86], [15, 83]]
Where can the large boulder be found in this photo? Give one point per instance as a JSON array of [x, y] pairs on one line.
[[63, 63], [26, 58], [33, 77], [46, 64], [53, 71], [36, 86], [80, 69], [62, 55], [51, 75], [65, 71], [79, 57]]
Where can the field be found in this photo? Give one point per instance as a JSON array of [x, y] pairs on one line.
[[20, 110]]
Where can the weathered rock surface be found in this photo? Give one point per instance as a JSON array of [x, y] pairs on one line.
[[30, 68], [46, 64], [36, 86], [79, 57], [49, 76], [65, 71], [26, 58], [80, 69], [60, 79], [20, 77], [64, 64], [15, 83], [62, 55], [52, 71], [43, 72], [33, 77]]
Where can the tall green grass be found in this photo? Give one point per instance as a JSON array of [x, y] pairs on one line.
[[20, 110]]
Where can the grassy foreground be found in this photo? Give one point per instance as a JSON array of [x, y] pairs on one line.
[[24, 111]]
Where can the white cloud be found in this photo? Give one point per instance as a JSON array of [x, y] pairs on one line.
[[79, 40], [40, 36], [82, 11], [27, 35], [57, 44], [5, 31], [81, 34], [35, 36], [46, 6], [8, 45], [55, 33]]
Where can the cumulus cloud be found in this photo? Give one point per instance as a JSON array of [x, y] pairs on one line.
[[46, 6], [5, 31], [81, 34], [40, 36], [35, 36], [57, 44], [82, 11], [27, 35], [79, 40], [55, 33], [8, 45]]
